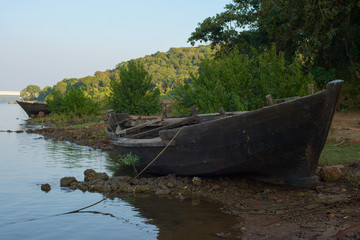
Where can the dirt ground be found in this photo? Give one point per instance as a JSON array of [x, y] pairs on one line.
[[264, 211], [345, 127]]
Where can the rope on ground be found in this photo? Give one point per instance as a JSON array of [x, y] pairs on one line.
[[104, 198]]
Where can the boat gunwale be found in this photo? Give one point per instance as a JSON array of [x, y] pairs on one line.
[[158, 142]]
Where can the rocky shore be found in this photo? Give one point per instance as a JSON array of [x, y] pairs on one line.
[[265, 211]]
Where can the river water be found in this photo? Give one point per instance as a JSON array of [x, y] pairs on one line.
[[26, 212]]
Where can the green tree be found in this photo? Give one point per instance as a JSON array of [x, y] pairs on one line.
[[134, 93], [239, 82], [72, 102], [61, 86], [31, 92], [44, 93], [325, 33]]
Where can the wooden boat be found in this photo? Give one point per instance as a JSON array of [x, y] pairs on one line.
[[280, 144], [33, 108]]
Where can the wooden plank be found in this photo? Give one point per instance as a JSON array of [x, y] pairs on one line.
[[270, 100], [311, 88], [137, 127], [156, 130]]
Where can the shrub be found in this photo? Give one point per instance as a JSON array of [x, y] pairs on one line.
[[134, 93], [73, 102], [240, 82], [125, 163]]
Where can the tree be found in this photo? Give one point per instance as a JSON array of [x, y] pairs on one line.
[[30, 92], [134, 93], [325, 33], [239, 82], [72, 102], [44, 93]]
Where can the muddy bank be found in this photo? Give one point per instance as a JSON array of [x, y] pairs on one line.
[[93, 136], [265, 211]]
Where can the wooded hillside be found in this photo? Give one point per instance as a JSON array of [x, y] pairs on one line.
[[167, 68]]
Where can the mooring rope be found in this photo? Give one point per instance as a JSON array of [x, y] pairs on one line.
[[104, 198], [177, 133]]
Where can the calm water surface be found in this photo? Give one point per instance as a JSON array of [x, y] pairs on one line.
[[26, 212]]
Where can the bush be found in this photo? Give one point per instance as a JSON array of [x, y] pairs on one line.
[[350, 96], [72, 102], [240, 82], [134, 93]]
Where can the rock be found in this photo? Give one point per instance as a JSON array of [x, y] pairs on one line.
[[91, 175], [331, 173], [45, 187], [162, 192], [83, 187], [73, 185], [196, 181], [142, 189], [66, 181], [170, 185], [40, 114], [122, 187]]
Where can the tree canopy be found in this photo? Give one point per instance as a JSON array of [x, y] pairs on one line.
[[240, 82], [325, 33], [167, 68], [134, 92], [31, 92]]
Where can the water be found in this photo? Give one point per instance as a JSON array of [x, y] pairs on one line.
[[26, 212]]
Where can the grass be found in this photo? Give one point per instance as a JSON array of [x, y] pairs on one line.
[[68, 121], [125, 164], [344, 154]]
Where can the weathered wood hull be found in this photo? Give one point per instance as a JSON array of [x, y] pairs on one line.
[[279, 144], [33, 108]]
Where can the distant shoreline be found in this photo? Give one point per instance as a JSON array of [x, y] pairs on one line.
[[9, 98]]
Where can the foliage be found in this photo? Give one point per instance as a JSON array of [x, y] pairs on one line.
[[171, 68], [238, 82], [350, 96], [322, 76], [129, 159], [167, 68], [324, 33], [134, 93], [125, 164], [30, 92], [64, 120], [44, 93], [72, 102]]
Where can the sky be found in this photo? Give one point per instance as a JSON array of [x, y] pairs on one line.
[[44, 41]]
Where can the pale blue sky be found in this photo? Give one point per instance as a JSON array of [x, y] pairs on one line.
[[45, 41]]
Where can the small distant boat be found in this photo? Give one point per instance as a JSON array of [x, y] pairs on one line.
[[279, 144], [33, 108]]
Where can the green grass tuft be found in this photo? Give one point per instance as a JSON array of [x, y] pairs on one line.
[[344, 154]]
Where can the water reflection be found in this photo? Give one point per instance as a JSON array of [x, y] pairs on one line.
[[181, 219], [28, 160]]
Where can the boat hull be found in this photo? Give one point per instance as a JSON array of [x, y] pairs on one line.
[[33, 108], [278, 144]]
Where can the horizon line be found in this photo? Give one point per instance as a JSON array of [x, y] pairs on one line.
[[17, 93]]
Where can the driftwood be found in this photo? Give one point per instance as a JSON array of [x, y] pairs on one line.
[[169, 126], [127, 131]]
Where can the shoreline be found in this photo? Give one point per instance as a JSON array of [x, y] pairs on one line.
[[264, 210]]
